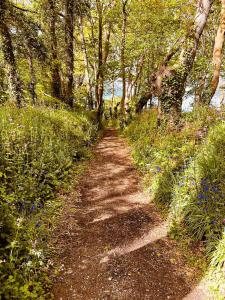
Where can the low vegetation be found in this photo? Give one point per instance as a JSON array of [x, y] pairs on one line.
[[37, 149], [184, 173]]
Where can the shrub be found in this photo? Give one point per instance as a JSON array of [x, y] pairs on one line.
[[198, 202], [37, 149], [164, 152]]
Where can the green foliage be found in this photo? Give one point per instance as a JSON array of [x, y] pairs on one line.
[[185, 172], [37, 149], [216, 271], [198, 201], [164, 152]]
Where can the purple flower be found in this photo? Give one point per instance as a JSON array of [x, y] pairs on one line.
[[37, 225], [201, 196], [205, 188], [158, 169], [32, 207]]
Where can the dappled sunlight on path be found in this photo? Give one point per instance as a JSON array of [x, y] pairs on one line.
[[114, 244]]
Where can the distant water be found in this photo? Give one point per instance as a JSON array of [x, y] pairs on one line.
[[187, 102]]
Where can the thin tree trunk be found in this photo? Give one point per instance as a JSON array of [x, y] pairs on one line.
[[9, 56], [100, 75], [32, 84], [123, 46], [55, 70], [86, 59], [69, 26], [217, 52]]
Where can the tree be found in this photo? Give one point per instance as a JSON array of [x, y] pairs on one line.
[[217, 52], [123, 46], [69, 28], [8, 51], [55, 70]]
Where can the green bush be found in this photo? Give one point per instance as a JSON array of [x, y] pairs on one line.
[[164, 152], [37, 149], [198, 201]]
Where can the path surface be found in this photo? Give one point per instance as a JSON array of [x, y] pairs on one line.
[[111, 241]]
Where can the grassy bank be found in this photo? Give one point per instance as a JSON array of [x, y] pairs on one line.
[[38, 146], [185, 174]]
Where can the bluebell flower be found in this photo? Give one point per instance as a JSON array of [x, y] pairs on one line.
[[201, 196], [158, 169], [205, 188], [32, 207], [37, 225]]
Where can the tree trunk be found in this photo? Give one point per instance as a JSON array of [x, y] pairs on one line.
[[9, 56], [100, 75], [32, 84], [173, 82], [86, 59], [55, 70], [69, 26], [123, 46], [142, 102], [217, 52]]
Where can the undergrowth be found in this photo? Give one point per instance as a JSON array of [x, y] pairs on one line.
[[38, 146], [184, 170]]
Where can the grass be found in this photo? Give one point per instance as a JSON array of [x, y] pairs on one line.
[[38, 147]]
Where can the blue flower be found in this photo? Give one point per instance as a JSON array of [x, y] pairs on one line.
[[37, 225], [32, 207], [201, 196], [158, 169], [205, 188]]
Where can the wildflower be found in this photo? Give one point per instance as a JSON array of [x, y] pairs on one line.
[[158, 169], [32, 207], [201, 196], [206, 188], [199, 203], [37, 225]]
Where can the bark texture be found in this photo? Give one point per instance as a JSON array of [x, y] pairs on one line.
[[55, 69], [69, 26], [8, 51], [123, 46], [218, 49]]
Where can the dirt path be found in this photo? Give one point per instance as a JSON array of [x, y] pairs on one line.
[[111, 241]]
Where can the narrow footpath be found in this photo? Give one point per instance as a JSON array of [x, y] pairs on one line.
[[111, 241]]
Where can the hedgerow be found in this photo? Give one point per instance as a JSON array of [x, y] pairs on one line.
[[38, 146]]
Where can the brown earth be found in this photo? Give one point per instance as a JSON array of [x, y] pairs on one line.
[[111, 241]]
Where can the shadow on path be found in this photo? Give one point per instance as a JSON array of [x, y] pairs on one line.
[[114, 244]]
